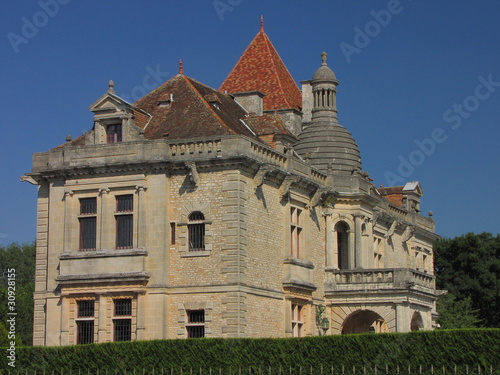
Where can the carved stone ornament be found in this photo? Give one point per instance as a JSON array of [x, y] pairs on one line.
[[261, 174], [195, 177]]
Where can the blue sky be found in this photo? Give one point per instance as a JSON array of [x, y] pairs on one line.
[[419, 83]]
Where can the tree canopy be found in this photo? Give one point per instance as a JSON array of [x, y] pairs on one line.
[[469, 268], [21, 258]]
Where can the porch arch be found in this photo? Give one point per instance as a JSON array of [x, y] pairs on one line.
[[362, 321], [417, 323]]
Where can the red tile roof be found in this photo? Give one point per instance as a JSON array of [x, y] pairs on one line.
[[196, 110], [260, 68], [393, 194]]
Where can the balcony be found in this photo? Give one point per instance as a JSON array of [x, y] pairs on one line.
[[378, 279]]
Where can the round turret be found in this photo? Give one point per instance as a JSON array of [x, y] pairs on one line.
[[326, 144], [324, 73]]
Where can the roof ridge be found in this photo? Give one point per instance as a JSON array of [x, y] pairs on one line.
[[207, 105]]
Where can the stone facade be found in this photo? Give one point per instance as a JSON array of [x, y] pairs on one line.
[[226, 237]]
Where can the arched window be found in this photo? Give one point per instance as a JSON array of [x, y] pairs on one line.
[[342, 245], [196, 229]]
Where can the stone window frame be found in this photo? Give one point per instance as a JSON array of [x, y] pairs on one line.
[[76, 318], [292, 321], [83, 218], [110, 316], [298, 319], [103, 122], [296, 232], [132, 317], [105, 217], [379, 251], [183, 232], [184, 308], [121, 227]]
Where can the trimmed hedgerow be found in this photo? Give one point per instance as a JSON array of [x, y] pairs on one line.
[[440, 348]]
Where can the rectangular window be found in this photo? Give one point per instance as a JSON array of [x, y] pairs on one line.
[[114, 133], [85, 332], [88, 224], [85, 322], [124, 221], [295, 231], [196, 323], [172, 233], [378, 253], [123, 307], [122, 323], [297, 320]]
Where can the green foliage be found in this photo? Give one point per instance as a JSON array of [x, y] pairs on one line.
[[440, 348], [22, 259], [456, 314], [469, 267]]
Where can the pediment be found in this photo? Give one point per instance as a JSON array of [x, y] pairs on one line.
[[110, 103], [413, 187]]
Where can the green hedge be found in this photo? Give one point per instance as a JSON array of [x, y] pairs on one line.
[[440, 348]]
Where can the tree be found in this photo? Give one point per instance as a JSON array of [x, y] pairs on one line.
[[469, 268], [20, 258], [456, 314]]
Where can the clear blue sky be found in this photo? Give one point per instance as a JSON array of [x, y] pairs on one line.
[[419, 83]]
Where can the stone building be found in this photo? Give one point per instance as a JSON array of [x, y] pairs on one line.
[[238, 212]]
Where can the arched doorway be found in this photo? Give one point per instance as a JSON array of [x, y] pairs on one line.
[[363, 321], [417, 323]]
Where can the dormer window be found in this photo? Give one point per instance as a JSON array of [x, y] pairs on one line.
[[165, 100], [214, 100], [114, 133]]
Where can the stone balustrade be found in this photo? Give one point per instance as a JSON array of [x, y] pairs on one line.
[[395, 278]]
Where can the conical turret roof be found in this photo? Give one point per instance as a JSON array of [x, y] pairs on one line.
[[260, 68]]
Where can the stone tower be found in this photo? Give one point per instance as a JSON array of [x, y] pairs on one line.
[[325, 143]]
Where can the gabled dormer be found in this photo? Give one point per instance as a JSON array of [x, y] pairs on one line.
[[115, 119], [412, 192]]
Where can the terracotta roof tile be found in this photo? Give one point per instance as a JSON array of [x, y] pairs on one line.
[[260, 68], [196, 110], [393, 194]]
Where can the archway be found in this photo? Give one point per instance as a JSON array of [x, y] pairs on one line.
[[417, 323], [362, 321]]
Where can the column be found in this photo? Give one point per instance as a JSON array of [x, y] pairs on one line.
[[141, 223], [288, 318], [100, 243], [403, 317], [141, 317], [358, 221], [330, 243], [64, 321], [101, 318], [68, 217], [351, 260]]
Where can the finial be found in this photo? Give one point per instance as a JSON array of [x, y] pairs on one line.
[[111, 86], [261, 24], [323, 58], [181, 68]]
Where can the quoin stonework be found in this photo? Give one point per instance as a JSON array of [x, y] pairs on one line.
[[237, 212]]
